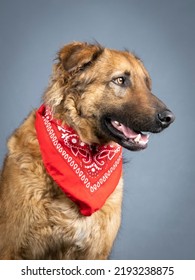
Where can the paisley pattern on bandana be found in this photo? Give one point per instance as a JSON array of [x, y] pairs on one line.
[[87, 174]]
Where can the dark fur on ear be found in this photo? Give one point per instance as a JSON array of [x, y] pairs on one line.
[[77, 56]]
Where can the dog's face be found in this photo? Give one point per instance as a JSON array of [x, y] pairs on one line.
[[105, 95]]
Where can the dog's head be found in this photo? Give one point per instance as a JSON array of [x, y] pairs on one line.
[[105, 95]]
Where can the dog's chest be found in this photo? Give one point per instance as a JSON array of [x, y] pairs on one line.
[[80, 237]]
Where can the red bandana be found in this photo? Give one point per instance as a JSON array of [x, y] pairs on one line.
[[86, 175]]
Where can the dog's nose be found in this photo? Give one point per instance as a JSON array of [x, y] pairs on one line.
[[166, 118]]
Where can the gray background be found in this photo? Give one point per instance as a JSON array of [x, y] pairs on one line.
[[159, 198]]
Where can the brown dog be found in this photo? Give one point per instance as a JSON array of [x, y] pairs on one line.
[[102, 99]]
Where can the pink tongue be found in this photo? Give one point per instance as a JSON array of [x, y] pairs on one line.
[[129, 133]]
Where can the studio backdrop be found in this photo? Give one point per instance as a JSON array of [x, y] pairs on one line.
[[158, 220]]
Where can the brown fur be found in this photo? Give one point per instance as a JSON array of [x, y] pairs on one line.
[[37, 220]]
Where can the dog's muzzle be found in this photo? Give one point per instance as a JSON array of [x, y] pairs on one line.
[[136, 137]]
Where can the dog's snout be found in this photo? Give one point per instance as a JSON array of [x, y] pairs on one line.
[[166, 118]]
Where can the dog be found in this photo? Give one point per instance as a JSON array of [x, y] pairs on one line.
[[61, 183]]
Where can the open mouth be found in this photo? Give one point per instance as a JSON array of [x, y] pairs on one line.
[[126, 136]]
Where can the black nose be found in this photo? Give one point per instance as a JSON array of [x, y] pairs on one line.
[[166, 118]]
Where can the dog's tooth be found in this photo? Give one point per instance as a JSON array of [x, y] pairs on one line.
[[117, 123], [137, 139]]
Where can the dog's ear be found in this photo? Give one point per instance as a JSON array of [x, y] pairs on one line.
[[78, 55]]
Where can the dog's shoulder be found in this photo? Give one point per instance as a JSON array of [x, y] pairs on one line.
[[24, 139]]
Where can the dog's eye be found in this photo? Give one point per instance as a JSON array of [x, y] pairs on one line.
[[119, 81]]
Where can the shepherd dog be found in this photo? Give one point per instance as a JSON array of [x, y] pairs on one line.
[[61, 183]]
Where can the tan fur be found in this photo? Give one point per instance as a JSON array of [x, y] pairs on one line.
[[37, 220]]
